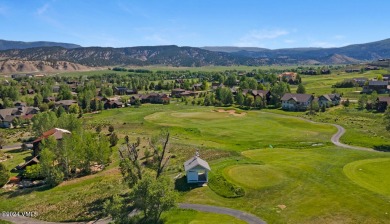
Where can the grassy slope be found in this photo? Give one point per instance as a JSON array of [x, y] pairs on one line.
[[179, 216], [322, 84], [311, 182], [312, 185], [372, 174]]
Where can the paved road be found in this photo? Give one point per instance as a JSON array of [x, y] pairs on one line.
[[336, 140], [249, 218], [11, 147], [336, 137]]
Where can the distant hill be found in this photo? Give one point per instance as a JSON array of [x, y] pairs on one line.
[[7, 44], [172, 55], [16, 66], [156, 55], [363, 52]]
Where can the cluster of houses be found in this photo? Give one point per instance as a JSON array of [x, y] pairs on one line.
[[20, 111], [302, 102], [378, 86]]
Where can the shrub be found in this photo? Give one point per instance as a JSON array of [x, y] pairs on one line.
[[33, 172], [4, 175], [55, 177], [222, 187]]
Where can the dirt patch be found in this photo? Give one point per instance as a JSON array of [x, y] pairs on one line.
[[231, 112]]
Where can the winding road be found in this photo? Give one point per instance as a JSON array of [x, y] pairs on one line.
[[249, 218], [336, 139]]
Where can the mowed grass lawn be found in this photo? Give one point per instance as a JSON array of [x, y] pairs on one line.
[[181, 216], [293, 182], [372, 174], [301, 186], [248, 130]]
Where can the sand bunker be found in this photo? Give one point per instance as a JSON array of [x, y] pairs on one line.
[[231, 112]]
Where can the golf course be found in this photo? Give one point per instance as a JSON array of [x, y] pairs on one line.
[[286, 169]]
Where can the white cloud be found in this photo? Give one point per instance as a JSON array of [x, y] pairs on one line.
[[322, 44], [3, 10], [289, 41], [256, 38], [338, 37], [41, 10]]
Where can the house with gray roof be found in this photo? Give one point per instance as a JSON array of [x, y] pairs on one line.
[[329, 100], [196, 170], [296, 101]]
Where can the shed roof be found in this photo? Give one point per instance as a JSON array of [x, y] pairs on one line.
[[196, 161]]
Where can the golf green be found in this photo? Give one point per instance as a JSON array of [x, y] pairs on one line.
[[253, 176], [372, 174]]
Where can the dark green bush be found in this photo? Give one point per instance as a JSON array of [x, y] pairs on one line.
[[224, 188]]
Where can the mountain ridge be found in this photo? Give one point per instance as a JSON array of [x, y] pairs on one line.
[[172, 55], [9, 44]]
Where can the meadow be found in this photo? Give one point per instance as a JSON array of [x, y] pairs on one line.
[[287, 168]]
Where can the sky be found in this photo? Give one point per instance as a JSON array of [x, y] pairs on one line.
[[269, 24]]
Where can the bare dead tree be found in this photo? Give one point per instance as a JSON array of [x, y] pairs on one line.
[[130, 165], [160, 151]]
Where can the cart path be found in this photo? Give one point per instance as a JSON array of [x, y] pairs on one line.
[[249, 218], [335, 139]]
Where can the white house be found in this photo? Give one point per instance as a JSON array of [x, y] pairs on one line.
[[196, 170]]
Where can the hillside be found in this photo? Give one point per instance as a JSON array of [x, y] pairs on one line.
[[12, 66], [356, 52], [172, 55], [156, 55], [7, 44]]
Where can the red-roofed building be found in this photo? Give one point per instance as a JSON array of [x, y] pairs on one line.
[[57, 133]]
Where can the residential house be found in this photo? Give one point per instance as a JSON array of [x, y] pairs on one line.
[[386, 77], [176, 92], [120, 90], [30, 162], [157, 98], [197, 87], [188, 93], [352, 70], [216, 85], [289, 77], [296, 101], [49, 99], [378, 86], [57, 133], [368, 68], [309, 72], [131, 91], [65, 103], [7, 116], [329, 100], [109, 104], [382, 103], [360, 81], [196, 170], [325, 71], [264, 94]]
